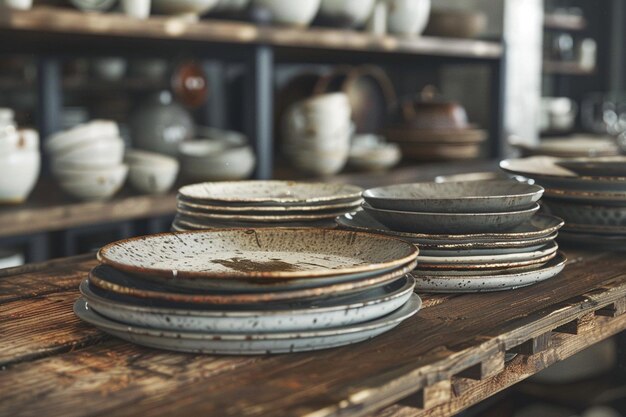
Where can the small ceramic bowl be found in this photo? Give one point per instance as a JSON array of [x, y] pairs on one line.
[[81, 134], [289, 12], [372, 153], [96, 184], [100, 153], [19, 171], [211, 160], [151, 173]]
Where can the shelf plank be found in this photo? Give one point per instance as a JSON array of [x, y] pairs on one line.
[[67, 22], [48, 209]]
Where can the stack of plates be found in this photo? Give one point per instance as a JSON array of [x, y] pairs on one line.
[[247, 291], [437, 144], [263, 204], [473, 236], [588, 193]]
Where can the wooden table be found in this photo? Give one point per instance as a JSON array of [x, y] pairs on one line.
[[448, 357]]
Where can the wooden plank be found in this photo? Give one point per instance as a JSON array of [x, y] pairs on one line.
[[117, 26], [48, 209], [430, 396], [578, 325], [534, 345], [443, 340], [614, 309], [492, 365], [515, 371]]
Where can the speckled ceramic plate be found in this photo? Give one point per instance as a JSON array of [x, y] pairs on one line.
[[535, 231], [114, 281], [486, 283], [257, 253], [490, 265], [455, 197], [270, 193], [483, 252], [421, 222], [545, 171], [607, 198], [261, 218], [248, 343], [588, 240], [474, 260], [588, 215], [183, 223], [325, 314], [271, 210]]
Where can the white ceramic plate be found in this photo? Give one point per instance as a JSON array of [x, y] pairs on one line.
[[357, 309], [455, 197], [248, 343], [532, 232], [487, 283], [540, 253], [422, 222], [270, 193]]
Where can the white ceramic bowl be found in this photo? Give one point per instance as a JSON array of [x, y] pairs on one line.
[[139, 9], [96, 184], [19, 4], [19, 171], [407, 17], [100, 153], [290, 12], [323, 164], [81, 134], [350, 13], [209, 160], [183, 6], [371, 153], [151, 173]]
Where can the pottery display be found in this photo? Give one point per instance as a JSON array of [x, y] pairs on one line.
[[407, 17]]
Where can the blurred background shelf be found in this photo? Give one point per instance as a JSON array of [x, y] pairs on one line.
[[566, 68], [564, 22]]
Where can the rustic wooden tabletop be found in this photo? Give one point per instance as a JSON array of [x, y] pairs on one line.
[[448, 357]]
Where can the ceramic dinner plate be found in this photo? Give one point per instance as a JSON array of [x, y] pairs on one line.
[[183, 223], [278, 253], [270, 193], [422, 222], [539, 229], [248, 343], [262, 218], [114, 281], [545, 171], [488, 283], [483, 252], [271, 210], [325, 314], [607, 198], [587, 240], [475, 260], [455, 197], [596, 167], [587, 215]]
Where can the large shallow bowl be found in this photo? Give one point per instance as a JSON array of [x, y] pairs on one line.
[[257, 254], [206, 160], [19, 171], [248, 343], [272, 193], [424, 222], [529, 233], [102, 152], [334, 312], [455, 197], [81, 134]]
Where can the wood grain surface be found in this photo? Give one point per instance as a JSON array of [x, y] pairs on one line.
[[446, 358]]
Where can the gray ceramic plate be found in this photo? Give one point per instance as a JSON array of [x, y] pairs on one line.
[[482, 251], [114, 281], [484, 266], [421, 222], [587, 215], [270, 193], [596, 167], [260, 217], [539, 229], [467, 259], [257, 253], [587, 240], [248, 343], [607, 198], [356, 309], [545, 171], [487, 283], [183, 223], [455, 197]]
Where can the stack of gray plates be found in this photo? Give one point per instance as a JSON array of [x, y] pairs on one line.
[[588, 193], [263, 204], [473, 236], [247, 291]]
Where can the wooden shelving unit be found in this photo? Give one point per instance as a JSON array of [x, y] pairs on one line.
[[566, 68], [564, 22], [448, 357]]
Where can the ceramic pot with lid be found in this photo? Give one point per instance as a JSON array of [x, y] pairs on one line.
[[429, 111], [161, 124]]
